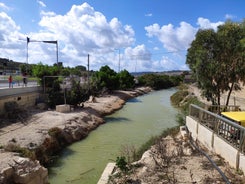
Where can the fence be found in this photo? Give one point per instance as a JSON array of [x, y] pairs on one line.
[[229, 131]]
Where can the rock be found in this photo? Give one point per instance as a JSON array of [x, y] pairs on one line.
[[42, 106], [63, 108], [24, 171]]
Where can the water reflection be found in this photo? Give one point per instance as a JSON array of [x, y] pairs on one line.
[[116, 119]]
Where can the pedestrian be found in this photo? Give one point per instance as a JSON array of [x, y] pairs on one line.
[[10, 81], [24, 80]]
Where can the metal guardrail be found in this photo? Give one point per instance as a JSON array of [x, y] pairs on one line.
[[231, 132]]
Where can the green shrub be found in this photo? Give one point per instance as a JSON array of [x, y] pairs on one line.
[[177, 97], [122, 164], [24, 152]]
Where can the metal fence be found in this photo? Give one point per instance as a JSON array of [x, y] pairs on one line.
[[229, 131]]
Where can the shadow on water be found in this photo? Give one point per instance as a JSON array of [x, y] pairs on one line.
[[134, 100], [116, 119], [57, 162]]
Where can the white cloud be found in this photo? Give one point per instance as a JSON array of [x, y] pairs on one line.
[[206, 24], [229, 17], [173, 39], [10, 38], [48, 14], [167, 64], [83, 30], [3, 6], [41, 3], [135, 58], [148, 15], [179, 38], [140, 52]]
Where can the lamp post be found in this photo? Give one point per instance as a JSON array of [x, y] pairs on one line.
[[28, 40], [118, 60]]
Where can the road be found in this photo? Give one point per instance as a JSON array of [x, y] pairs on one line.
[[4, 84]]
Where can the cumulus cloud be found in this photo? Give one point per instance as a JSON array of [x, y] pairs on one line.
[[10, 37], [140, 52], [136, 57], [173, 39], [84, 30], [179, 38], [206, 24]]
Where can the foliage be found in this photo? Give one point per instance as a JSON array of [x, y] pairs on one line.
[[106, 78], [122, 164], [217, 60], [24, 152], [51, 78], [177, 97], [77, 94], [126, 81], [154, 139], [159, 81]]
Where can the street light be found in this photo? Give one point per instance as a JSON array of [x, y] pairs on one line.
[[118, 60], [28, 40]]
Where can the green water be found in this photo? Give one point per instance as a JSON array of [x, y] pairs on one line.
[[140, 119]]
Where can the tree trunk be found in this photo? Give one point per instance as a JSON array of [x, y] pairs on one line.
[[229, 94]]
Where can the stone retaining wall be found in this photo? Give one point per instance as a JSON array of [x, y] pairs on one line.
[[24, 97]]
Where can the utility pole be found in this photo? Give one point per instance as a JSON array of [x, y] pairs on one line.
[[88, 75], [27, 42], [118, 60]]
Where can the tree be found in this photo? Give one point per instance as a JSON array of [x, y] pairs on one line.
[[158, 82], [106, 78], [126, 81], [217, 60]]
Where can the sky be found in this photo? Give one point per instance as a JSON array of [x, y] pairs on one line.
[[132, 35]]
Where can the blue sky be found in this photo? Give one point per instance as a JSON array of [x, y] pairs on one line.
[[136, 35]]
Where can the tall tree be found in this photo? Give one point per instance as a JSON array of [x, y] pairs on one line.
[[217, 60]]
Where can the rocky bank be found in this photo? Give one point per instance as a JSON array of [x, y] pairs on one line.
[[27, 146]]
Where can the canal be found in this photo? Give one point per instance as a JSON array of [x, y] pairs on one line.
[[140, 119]]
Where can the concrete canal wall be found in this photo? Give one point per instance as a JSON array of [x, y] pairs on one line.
[[215, 143]]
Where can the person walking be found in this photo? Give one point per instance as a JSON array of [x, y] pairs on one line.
[[10, 81], [24, 80]]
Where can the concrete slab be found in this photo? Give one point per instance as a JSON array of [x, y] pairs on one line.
[[107, 172]]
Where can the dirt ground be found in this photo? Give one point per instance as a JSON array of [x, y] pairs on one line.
[[173, 160]]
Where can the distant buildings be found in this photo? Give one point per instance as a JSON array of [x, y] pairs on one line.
[[9, 67]]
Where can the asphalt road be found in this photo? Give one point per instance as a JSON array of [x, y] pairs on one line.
[[17, 85]]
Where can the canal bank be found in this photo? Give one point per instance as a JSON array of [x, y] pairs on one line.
[[129, 128], [37, 136]]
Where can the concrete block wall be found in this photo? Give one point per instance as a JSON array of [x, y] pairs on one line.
[[214, 143], [205, 136], [226, 150], [23, 96], [242, 162]]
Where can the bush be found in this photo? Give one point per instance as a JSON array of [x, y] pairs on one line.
[[122, 164]]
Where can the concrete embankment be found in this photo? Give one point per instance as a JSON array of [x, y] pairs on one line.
[[46, 133]]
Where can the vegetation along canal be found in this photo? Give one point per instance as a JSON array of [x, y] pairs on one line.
[[139, 120]]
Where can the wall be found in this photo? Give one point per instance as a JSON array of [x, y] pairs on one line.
[[214, 143], [25, 97]]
